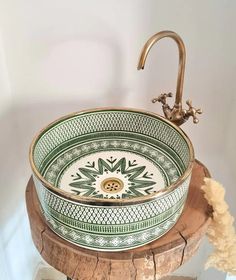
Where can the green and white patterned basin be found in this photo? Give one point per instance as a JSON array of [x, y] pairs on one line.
[[111, 179]]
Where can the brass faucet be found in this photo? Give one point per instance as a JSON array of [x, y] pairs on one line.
[[177, 114]]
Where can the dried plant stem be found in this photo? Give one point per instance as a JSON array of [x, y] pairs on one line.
[[221, 232]]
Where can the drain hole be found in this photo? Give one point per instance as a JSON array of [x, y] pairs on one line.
[[112, 185]]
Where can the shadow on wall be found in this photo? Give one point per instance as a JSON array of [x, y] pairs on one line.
[[84, 65]]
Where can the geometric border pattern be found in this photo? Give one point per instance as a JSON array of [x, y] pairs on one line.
[[164, 163], [110, 120], [111, 228], [112, 242], [110, 215]]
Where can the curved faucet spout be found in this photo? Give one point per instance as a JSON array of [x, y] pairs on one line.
[[175, 114], [182, 58]]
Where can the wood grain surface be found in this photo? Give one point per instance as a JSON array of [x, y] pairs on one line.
[[151, 261]]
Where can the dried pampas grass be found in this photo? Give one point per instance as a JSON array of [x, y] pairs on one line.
[[221, 232]]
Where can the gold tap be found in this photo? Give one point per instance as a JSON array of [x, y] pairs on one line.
[[177, 114]]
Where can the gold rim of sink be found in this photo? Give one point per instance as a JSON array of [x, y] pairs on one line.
[[107, 201]]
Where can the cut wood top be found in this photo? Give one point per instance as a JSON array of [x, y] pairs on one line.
[[153, 260]]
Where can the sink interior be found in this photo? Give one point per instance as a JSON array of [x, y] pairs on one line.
[[112, 154]]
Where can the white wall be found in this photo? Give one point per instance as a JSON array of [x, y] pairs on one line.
[[62, 56]]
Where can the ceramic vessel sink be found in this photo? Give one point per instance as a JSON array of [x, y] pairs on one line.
[[112, 178]]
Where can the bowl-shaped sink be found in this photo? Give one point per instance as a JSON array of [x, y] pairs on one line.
[[111, 179]]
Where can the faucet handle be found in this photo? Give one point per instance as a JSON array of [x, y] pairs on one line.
[[162, 98], [192, 112]]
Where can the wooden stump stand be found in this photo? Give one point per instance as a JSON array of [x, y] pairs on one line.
[[151, 261]]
